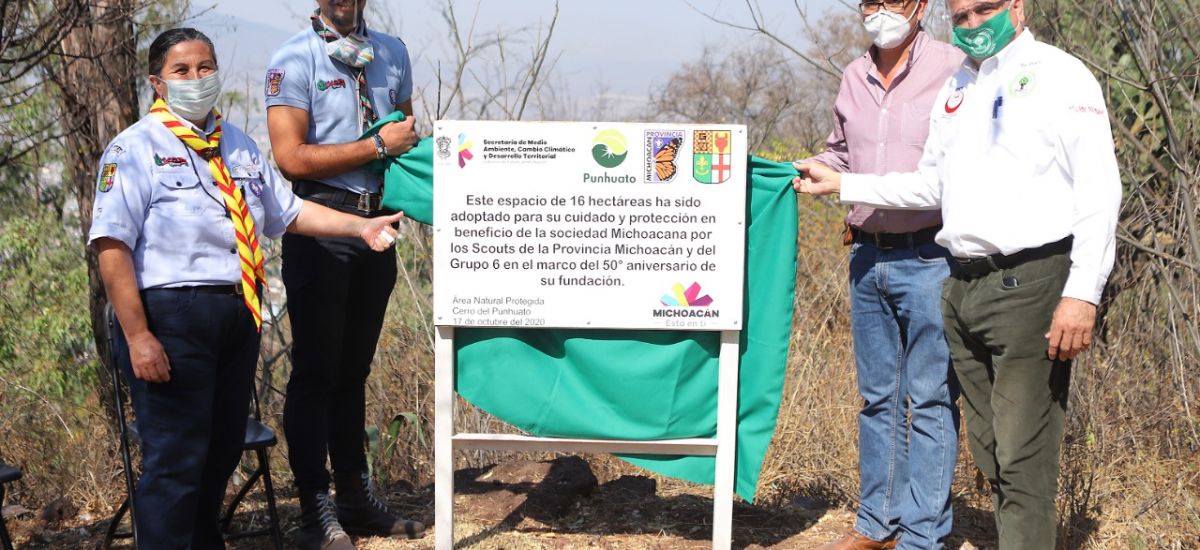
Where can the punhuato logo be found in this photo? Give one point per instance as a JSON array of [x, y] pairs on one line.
[[610, 148]]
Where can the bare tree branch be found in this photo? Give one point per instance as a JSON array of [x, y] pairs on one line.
[[758, 26]]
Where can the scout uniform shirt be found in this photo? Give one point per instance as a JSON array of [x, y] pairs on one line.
[[1020, 154], [158, 197], [302, 75]]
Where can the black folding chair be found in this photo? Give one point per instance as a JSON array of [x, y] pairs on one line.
[[8, 474], [259, 438]]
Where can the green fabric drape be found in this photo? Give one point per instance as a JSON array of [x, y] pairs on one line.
[[609, 384], [408, 178], [767, 326]]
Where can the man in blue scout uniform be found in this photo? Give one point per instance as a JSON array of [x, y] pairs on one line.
[[182, 199], [324, 87]]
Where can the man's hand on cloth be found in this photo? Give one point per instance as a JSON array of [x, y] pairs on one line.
[[816, 179]]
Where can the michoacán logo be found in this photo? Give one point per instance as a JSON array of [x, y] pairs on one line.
[[681, 302], [464, 150]]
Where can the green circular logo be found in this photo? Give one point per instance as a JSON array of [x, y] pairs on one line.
[[1023, 84], [609, 148]]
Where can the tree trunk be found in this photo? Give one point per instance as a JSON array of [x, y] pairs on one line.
[[98, 84]]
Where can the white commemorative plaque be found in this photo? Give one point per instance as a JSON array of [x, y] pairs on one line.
[[589, 225]]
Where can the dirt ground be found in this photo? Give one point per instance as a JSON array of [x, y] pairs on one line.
[[556, 504]]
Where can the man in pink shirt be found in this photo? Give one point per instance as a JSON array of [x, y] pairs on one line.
[[881, 120]]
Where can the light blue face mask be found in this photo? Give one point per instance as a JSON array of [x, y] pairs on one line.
[[987, 39], [193, 99]]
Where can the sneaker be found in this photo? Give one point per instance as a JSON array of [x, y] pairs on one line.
[[319, 527], [362, 513]]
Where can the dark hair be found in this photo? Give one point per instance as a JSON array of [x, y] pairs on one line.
[[169, 39]]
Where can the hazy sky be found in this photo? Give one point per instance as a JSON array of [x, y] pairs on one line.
[[623, 47]]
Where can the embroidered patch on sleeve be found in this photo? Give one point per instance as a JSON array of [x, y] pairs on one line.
[[274, 81], [108, 177]]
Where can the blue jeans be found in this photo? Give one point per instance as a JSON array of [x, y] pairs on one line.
[[908, 426]]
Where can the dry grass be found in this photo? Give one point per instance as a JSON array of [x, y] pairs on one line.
[[1130, 475], [815, 450]]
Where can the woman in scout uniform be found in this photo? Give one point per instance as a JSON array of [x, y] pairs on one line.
[[182, 200]]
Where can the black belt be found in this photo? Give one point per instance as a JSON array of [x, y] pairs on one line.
[[231, 290], [889, 241], [973, 268], [363, 204]]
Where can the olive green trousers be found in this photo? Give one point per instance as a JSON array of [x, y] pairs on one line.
[[1014, 395]]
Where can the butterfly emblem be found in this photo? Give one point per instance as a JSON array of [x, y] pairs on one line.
[[662, 151], [664, 160]]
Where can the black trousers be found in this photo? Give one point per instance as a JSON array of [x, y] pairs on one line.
[[338, 291], [192, 427]]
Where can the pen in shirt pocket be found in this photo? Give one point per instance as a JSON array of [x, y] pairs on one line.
[[996, 107]]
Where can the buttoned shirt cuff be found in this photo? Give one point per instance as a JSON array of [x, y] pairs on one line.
[[113, 231], [827, 158], [1080, 286]]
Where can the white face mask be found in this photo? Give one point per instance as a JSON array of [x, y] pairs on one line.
[[193, 99], [888, 29]]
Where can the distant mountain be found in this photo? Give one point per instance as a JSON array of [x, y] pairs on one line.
[[244, 46]]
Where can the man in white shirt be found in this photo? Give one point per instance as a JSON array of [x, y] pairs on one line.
[[1020, 161]]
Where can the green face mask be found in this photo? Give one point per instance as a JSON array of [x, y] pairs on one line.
[[987, 39]]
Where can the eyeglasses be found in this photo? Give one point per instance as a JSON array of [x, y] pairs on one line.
[[871, 7], [982, 10]]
